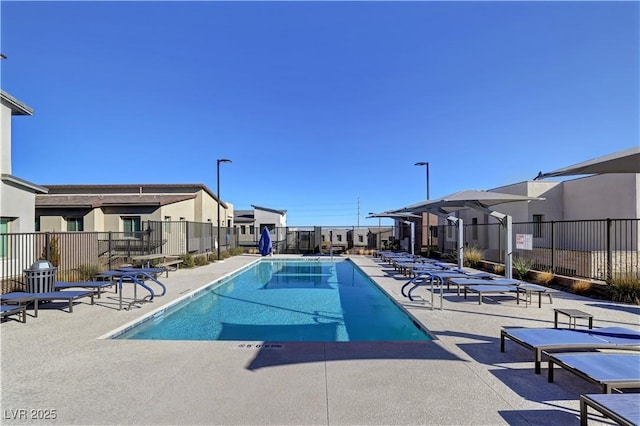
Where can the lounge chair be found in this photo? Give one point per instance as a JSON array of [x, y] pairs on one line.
[[8, 310], [563, 339], [525, 288], [609, 370], [69, 296], [467, 281], [619, 407], [97, 286]]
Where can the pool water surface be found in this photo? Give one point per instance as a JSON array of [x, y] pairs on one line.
[[285, 301]]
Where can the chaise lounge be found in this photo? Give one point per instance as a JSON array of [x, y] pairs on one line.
[[8, 310], [22, 297], [609, 370], [562, 339]]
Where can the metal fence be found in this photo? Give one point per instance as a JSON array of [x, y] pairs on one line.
[[593, 249]]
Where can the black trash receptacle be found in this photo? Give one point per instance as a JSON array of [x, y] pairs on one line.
[[40, 278]]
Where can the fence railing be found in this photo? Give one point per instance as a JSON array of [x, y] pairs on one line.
[[593, 249]]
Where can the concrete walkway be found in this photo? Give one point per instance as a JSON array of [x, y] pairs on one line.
[[56, 364]]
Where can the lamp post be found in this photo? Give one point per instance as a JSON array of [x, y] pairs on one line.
[[218, 161], [426, 163], [379, 242]]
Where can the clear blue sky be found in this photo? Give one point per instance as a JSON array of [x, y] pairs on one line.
[[319, 104]]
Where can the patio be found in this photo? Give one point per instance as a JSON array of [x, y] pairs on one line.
[[56, 362]]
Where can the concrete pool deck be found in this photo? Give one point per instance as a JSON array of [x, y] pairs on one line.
[[56, 362]]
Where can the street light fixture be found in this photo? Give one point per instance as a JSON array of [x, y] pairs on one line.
[[426, 163], [218, 161]]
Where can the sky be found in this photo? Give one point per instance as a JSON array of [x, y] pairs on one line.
[[323, 107]]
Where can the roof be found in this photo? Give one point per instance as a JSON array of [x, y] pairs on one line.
[[17, 107], [127, 190], [96, 201], [280, 212], [22, 184]]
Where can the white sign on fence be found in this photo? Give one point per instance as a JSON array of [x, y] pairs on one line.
[[524, 241]]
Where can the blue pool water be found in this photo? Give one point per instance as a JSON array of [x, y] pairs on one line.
[[285, 301]]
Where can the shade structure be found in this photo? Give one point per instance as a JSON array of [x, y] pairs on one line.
[[626, 161], [406, 217], [477, 200], [265, 245]]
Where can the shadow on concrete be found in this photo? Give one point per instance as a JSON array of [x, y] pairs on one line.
[[540, 417], [305, 352], [624, 308]]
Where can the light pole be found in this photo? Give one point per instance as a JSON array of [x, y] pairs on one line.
[[426, 163], [218, 161], [379, 242]]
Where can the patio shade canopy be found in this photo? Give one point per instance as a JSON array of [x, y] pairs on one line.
[[627, 161], [477, 200]]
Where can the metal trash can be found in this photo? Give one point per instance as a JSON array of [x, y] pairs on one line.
[[40, 278]]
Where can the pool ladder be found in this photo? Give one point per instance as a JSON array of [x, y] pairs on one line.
[[137, 278]]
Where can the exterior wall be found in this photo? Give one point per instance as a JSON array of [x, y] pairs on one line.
[[5, 139], [615, 196], [18, 205]]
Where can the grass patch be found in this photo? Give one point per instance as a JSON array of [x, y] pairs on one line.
[[544, 277], [581, 287]]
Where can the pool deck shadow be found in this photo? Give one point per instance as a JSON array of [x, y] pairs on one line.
[[58, 362]]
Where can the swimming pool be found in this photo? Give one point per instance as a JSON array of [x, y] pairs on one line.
[[284, 301]]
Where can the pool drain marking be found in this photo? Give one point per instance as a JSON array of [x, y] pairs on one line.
[[275, 346]]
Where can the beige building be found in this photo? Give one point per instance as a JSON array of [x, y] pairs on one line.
[[17, 196], [124, 208]]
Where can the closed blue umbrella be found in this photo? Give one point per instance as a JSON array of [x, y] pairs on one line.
[[264, 245]]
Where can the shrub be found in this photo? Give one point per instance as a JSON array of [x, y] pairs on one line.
[[201, 260], [473, 256], [212, 257], [522, 266], [87, 272], [498, 269], [625, 288], [54, 252], [236, 251], [581, 286], [544, 277], [225, 255], [187, 261]]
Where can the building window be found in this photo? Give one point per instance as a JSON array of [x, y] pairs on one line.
[[37, 227], [360, 239], [75, 224], [537, 225], [131, 225], [243, 230], [252, 230], [339, 237], [474, 228], [324, 238], [4, 239]]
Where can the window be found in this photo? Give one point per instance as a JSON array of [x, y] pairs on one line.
[[339, 237], [537, 225], [131, 225], [474, 228], [37, 227], [243, 230], [4, 239], [252, 230], [75, 224], [360, 239]]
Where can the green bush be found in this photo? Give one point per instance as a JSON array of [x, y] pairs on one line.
[[187, 261], [625, 288], [522, 266], [212, 257], [236, 251]]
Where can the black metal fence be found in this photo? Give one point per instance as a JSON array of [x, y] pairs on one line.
[[593, 249]]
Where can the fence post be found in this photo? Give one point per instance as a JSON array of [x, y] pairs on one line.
[[609, 254], [553, 246], [109, 249]]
